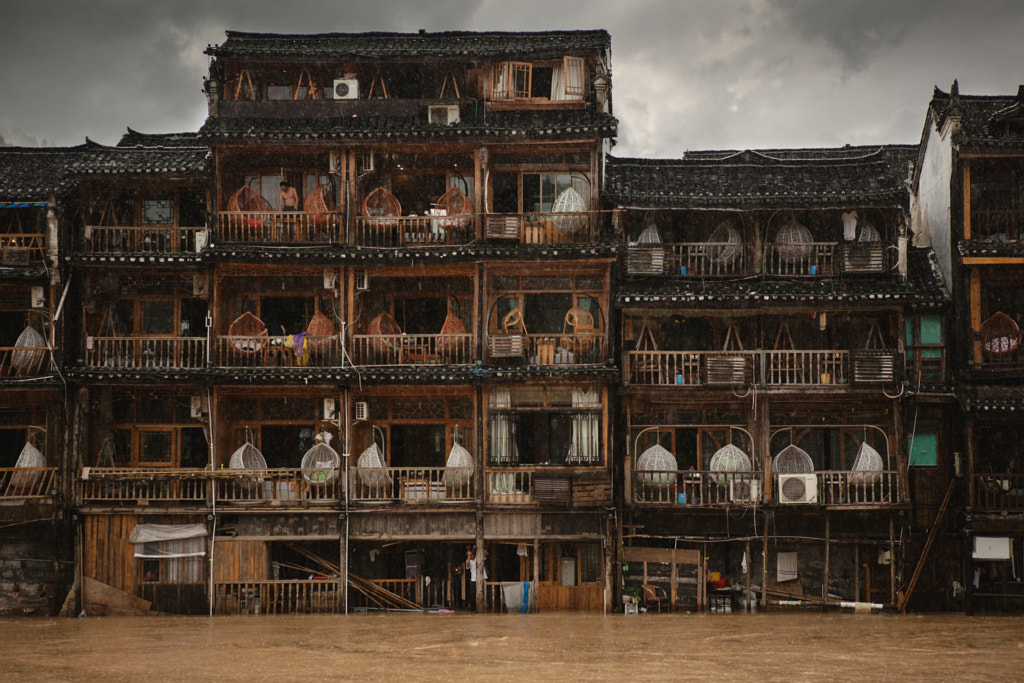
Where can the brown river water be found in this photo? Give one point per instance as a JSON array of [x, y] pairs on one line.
[[542, 647]]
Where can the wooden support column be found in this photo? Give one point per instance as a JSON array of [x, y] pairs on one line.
[[892, 566], [764, 569], [750, 562], [481, 562], [975, 304], [856, 573], [967, 199], [828, 542]]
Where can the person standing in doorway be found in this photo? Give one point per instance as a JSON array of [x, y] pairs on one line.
[[288, 197]]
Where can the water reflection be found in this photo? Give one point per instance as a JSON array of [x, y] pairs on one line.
[[776, 647]]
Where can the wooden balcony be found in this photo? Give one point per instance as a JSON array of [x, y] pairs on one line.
[[997, 225], [806, 368], [691, 259], [28, 482], [102, 239], [694, 488], [306, 596], [24, 361], [279, 227], [548, 349], [413, 349], [576, 487], [998, 493], [509, 486], [133, 353], [413, 231], [171, 487], [22, 249], [577, 227], [690, 368], [827, 259], [277, 352], [415, 485]]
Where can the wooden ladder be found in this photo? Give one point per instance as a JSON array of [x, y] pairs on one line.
[[932, 533]]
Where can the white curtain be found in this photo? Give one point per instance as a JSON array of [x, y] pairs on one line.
[[585, 446], [503, 450], [558, 83]]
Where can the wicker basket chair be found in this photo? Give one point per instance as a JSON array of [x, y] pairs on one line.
[[383, 209], [792, 459], [320, 463], [1000, 337], [320, 332], [382, 327], [793, 241], [458, 210], [372, 470], [247, 457], [451, 344], [582, 339], [657, 466], [728, 459], [248, 333], [28, 352], [458, 469], [320, 204], [247, 199], [569, 202], [867, 466], [725, 234], [26, 482]]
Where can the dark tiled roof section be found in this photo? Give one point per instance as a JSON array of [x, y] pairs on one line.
[[923, 288], [847, 176], [141, 160], [992, 399], [556, 124], [29, 174], [984, 119], [452, 44], [136, 139]]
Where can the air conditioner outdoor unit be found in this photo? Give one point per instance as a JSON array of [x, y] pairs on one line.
[[330, 409], [744, 491], [443, 114], [346, 89], [798, 488], [198, 408], [366, 162], [362, 279], [362, 410]]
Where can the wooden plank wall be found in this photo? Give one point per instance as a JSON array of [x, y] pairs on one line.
[[107, 556], [553, 598], [240, 560]]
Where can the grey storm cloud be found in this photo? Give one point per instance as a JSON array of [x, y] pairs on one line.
[[687, 74]]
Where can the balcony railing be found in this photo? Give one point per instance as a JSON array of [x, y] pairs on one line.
[[880, 487], [413, 349], [278, 227], [691, 259], [690, 368], [697, 488], [170, 353], [413, 231], [22, 249], [577, 227], [278, 352], [509, 485], [269, 488], [24, 361], [549, 349], [997, 225], [102, 239], [412, 485], [816, 259], [27, 482], [806, 367], [305, 596], [1002, 492]]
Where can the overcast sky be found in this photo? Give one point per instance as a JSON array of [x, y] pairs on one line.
[[686, 74]]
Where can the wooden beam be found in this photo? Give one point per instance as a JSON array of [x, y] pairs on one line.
[[967, 199]]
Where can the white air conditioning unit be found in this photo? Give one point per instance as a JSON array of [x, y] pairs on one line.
[[744, 491], [366, 162], [199, 407], [362, 279], [38, 297], [362, 410], [346, 89], [330, 409], [443, 114], [798, 488]]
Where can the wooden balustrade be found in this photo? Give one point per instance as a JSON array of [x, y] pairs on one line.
[[277, 352], [412, 484], [808, 368], [796, 259], [314, 596], [564, 349], [170, 353], [24, 361], [413, 349], [27, 482], [879, 487], [509, 485], [1001, 225], [1002, 492], [279, 227], [143, 485], [413, 231], [697, 488], [708, 259], [103, 239], [275, 487], [22, 248], [576, 227]]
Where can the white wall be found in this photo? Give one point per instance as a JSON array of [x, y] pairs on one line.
[[930, 210]]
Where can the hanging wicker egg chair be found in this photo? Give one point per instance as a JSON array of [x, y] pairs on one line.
[[724, 244], [867, 466], [25, 483], [247, 457], [320, 464], [249, 332], [458, 210], [792, 459], [28, 352], [372, 471], [383, 209], [458, 470], [383, 327], [569, 202], [247, 199], [728, 458], [320, 332], [451, 342], [657, 466], [793, 241], [1000, 336]]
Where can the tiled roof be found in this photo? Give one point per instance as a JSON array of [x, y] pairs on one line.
[[548, 124], [847, 176], [30, 174], [454, 44], [100, 159], [985, 120], [923, 288], [136, 139], [989, 399]]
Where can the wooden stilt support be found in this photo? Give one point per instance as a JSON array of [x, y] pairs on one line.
[[932, 533]]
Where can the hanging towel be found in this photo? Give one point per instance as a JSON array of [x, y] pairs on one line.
[[786, 567], [849, 225]]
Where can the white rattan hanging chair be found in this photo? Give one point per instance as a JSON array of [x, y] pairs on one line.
[[793, 241], [458, 470], [724, 244], [867, 466], [793, 459], [728, 458], [320, 464], [28, 352], [373, 472], [657, 466], [247, 457], [569, 202]]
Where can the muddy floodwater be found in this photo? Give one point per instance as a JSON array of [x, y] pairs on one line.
[[567, 647]]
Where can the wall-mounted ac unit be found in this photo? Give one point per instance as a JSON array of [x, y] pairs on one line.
[[798, 488], [366, 164], [744, 491], [362, 410], [198, 406], [443, 114], [346, 89], [362, 279], [330, 409]]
